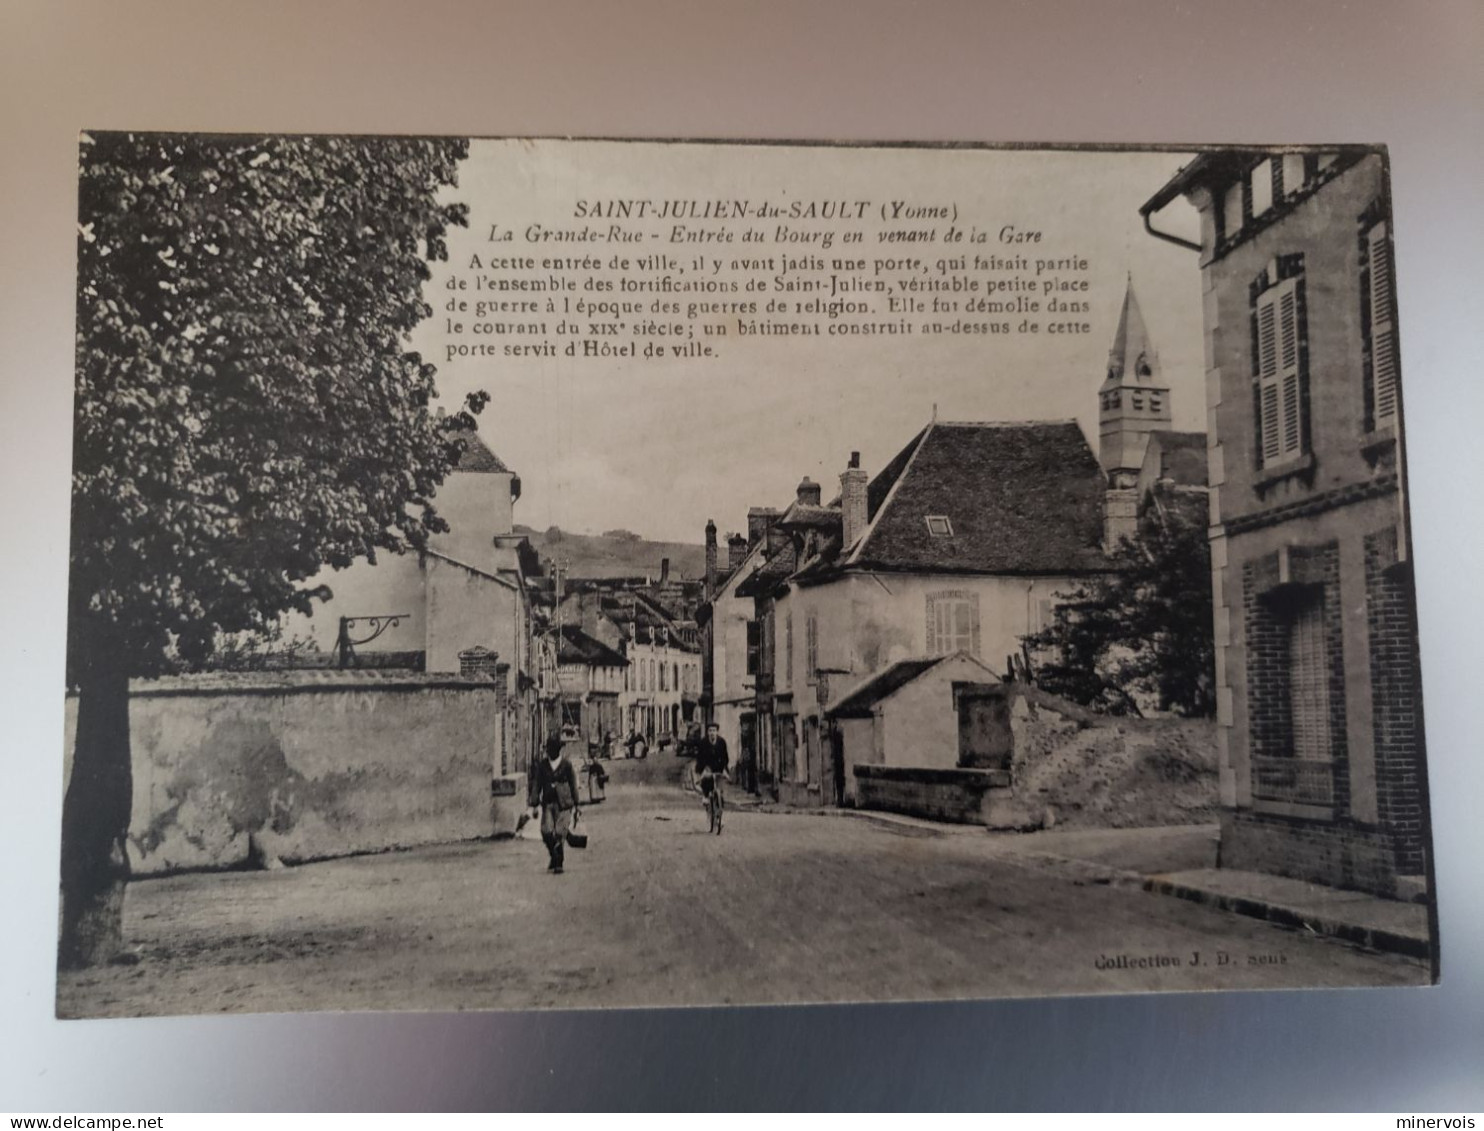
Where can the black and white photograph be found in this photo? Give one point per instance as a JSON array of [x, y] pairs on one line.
[[515, 574]]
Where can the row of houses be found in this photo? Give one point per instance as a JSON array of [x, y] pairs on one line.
[[872, 630], [959, 548]]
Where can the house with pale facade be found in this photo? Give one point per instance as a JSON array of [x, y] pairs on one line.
[[1319, 699], [963, 543], [581, 680], [660, 695], [462, 601]]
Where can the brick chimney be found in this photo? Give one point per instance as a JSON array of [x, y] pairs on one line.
[[710, 558], [853, 510], [737, 547], [808, 492], [759, 519], [664, 571]]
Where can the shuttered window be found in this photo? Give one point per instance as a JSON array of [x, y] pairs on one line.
[[1382, 327], [811, 646], [1279, 376], [788, 649], [952, 624], [1309, 683]]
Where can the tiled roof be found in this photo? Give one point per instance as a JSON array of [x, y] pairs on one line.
[[858, 703], [809, 514], [771, 573], [477, 455], [577, 647], [1021, 498]]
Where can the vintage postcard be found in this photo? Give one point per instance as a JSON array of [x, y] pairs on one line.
[[516, 573]]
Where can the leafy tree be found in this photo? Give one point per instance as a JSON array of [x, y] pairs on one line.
[[1146, 626], [246, 414]]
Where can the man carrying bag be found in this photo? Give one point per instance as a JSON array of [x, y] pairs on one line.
[[556, 793]]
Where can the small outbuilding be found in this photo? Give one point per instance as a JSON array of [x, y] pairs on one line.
[[930, 737]]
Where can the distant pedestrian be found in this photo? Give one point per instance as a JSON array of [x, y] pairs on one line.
[[556, 793]]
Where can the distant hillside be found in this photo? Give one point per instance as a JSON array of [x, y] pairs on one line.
[[616, 553]]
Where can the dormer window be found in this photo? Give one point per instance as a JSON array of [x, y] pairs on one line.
[[1141, 367], [939, 526]]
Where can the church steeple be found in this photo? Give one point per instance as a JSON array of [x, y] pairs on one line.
[[1133, 400]]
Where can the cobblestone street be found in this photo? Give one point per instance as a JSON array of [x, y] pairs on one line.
[[780, 908]]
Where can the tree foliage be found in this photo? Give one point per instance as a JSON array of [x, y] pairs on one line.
[[247, 410], [1145, 628]]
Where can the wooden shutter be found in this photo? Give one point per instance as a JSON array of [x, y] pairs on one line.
[[1383, 331], [1308, 676], [788, 648], [1280, 399]]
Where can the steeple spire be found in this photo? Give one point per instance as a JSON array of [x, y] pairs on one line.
[[1133, 400], [1132, 359]]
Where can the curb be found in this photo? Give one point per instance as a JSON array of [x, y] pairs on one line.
[[1376, 938]]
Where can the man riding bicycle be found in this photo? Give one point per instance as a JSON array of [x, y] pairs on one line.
[[712, 762]]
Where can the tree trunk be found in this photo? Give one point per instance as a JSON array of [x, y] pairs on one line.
[[95, 818]]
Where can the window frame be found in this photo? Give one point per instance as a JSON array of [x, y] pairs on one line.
[[1280, 368], [1378, 322]]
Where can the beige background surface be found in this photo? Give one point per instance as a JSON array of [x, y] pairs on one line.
[[1407, 75]]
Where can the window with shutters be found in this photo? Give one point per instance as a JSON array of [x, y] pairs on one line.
[[1380, 327], [1308, 682], [952, 623], [788, 649], [754, 640], [811, 646], [1279, 344]]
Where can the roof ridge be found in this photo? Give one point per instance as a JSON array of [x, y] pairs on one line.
[[891, 495], [1004, 423]]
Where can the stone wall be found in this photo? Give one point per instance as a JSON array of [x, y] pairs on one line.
[[233, 770], [964, 797]]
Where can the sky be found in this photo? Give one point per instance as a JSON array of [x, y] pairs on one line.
[[661, 447]]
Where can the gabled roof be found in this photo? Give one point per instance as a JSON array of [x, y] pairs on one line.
[[772, 572], [1020, 498], [577, 647], [476, 455], [803, 515], [859, 703]]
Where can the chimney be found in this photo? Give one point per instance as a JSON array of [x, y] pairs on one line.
[[853, 510], [710, 558], [808, 492], [737, 547], [588, 604], [664, 571], [759, 519]]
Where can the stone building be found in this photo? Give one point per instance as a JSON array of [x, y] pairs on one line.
[[1317, 671], [964, 542]]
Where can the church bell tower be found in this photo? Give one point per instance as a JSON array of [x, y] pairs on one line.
[[1133, 400]]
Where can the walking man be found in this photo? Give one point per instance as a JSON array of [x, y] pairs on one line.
[[556, 793]]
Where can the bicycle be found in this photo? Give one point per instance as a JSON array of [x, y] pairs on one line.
[[715, 803]]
